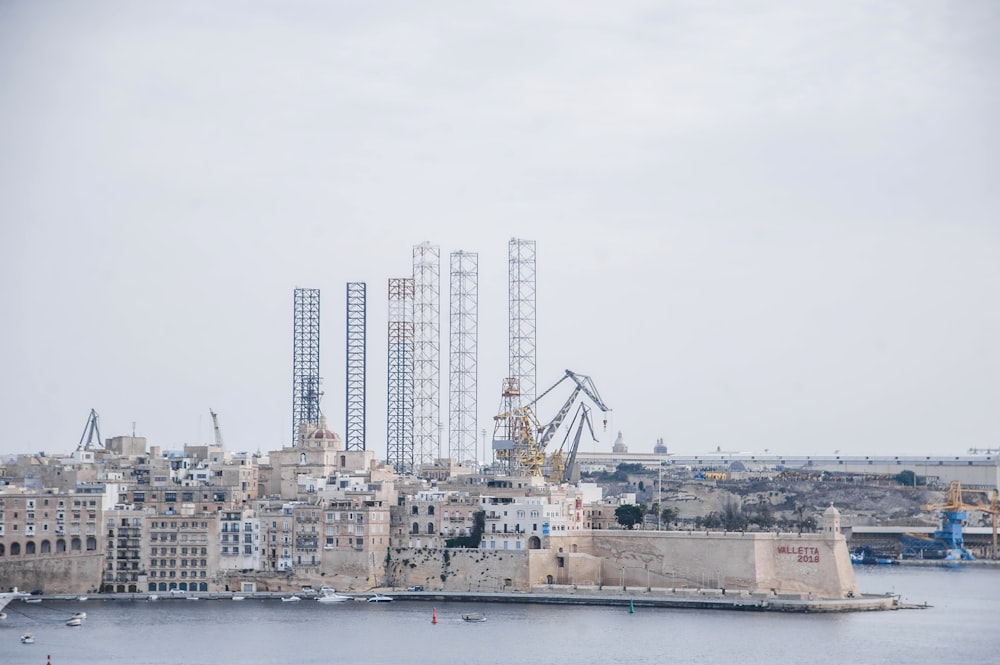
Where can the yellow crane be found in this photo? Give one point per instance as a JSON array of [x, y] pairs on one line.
[[955, 509]]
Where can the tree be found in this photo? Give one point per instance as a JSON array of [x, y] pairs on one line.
[[668, 516], [906, 478], [628, 515]]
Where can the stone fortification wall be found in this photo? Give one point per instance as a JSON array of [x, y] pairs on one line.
[[461, 569], [756, 562], [73, 574]]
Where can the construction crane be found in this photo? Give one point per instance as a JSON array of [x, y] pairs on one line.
[[91, 433], [954, 512], [215, 426]]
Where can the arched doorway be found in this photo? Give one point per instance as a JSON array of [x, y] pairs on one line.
[[60, 546], [46, 547], [74, 545], [29, 547], [15, 549], [534, 543]]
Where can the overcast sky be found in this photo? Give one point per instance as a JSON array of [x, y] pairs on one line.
[[760, 225]]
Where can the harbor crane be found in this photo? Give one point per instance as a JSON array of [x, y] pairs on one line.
[[954, 512], [520, 438], [563, 469], [215, 426], [91, 436]]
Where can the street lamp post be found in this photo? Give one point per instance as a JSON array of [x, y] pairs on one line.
[[623, 577], [659, 497]]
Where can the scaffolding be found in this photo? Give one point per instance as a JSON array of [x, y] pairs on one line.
[[426, 353], [463, 357], [521, 335], [305, 361], [355, 366], [399, 407]]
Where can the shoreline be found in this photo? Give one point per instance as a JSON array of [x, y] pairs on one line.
[[632, 598]]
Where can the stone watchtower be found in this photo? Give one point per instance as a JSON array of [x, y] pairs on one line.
[[831, 523]]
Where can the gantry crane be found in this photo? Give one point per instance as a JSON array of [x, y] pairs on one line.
[[954, 512], [561, 469]]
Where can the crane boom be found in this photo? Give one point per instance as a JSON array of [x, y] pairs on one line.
[[584, 385], [215, 426]]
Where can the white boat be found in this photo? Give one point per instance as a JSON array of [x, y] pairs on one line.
[[474, 617], [79, 615], [8, 596], [27, 638], [153, 596], [331, 596], [74, 621], [81, 598], [191, 598], [32, 600], [379, 598], [239, 597], [290, 599]]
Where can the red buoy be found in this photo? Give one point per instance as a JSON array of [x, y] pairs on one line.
[[434, 618]]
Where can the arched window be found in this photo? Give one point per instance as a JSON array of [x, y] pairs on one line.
[[415, 511], [60, 546], [46, 547], [152, 586], [29, 547], [91, 543], [534, 543], [430, 527], [15, 549], [2, 550], [416, 528], [74, 545], [343, 461], [203, 586], [302, 458]]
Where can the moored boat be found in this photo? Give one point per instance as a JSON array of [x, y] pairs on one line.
[[474, 617], [290, 599], [379, 598], [74, 621], [331, 596], [27, 638]]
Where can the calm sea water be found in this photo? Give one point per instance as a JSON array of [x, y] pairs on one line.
[[960, 627]]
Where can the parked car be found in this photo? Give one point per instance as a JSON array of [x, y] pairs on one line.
[[415, 587]]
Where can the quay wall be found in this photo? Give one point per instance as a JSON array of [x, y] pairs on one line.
[[65, 573]]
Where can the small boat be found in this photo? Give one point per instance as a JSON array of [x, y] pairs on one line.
[[474, 617], [74, 621], [153, 596], [239, 597], [32, 600], [290, 599], [379, 598], [191, 598], [331, 596], [81, 598], [27, 638], [79, 615]]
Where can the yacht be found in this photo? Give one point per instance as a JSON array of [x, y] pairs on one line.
[[379, 598], [328, 595], [27, 638], [290, 599]]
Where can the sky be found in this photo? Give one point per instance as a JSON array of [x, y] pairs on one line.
[[760, 226]]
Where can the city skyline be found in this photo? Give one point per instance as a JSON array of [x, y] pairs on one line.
[[768, 227]]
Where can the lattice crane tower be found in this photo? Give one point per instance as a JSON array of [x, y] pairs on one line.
[[463, 365], [521, 254], [355, 366], [305, 361], [426, 353], [399, 411]]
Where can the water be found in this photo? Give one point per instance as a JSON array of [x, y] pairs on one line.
[[960, 627]]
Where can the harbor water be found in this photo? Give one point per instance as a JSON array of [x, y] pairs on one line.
[[958, 627]]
